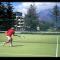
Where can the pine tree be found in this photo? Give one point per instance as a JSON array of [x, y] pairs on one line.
[[31, 19], [56, 13]]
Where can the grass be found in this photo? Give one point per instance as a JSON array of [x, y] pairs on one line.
[[31, 45], [59, 51], [59, 47], [29, 49]]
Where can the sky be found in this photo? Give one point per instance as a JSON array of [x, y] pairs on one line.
[[23, 6]]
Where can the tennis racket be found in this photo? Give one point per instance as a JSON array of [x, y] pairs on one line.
[[17, 35]]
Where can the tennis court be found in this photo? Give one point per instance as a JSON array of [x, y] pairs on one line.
[[31, 45]]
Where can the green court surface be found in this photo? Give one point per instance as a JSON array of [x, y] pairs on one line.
[[31, 45], [59, 47]]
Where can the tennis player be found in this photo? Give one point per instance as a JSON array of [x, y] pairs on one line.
[[9, 34]]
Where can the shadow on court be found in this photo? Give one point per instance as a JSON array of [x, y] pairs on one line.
[[17, 45]]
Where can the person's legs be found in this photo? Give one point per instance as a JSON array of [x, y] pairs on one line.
[[11, 42], [8, 40]]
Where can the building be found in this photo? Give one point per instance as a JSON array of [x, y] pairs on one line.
[[19, 22]]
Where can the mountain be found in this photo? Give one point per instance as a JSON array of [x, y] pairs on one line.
[[46, 15]]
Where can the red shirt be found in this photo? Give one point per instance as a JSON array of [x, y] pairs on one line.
[[10, 32]]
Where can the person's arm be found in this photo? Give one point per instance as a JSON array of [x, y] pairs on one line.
[[16, 35], [13, 34]]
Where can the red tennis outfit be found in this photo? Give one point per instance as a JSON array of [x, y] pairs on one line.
[[10, 32]]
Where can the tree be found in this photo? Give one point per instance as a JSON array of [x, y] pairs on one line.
[[10, 14], [1, 10], [31, 19], [56, 13], [6, 15], [2, 15], [9, 10], [44, 26]]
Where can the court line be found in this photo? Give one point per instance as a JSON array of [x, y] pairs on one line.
[[57, 48]]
